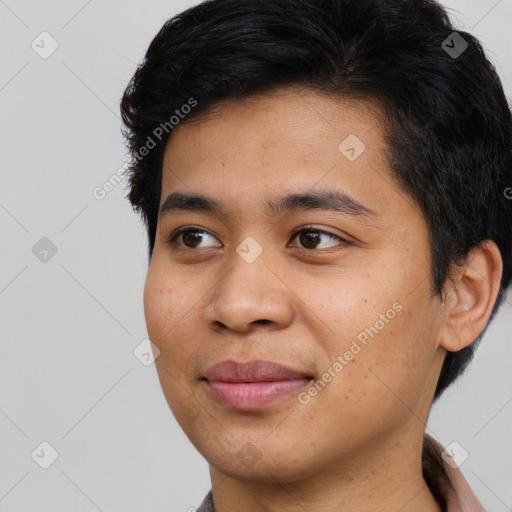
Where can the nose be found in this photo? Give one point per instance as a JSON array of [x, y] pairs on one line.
[[250, 296]]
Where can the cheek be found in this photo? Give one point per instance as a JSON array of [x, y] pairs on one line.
[[168, 320], [349, 307], [388, 376], [168, 313], [157, 309], [386, 338]]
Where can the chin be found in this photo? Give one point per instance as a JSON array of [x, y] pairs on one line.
[[257, 464]]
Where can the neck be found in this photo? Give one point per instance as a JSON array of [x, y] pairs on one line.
[[378, 478]]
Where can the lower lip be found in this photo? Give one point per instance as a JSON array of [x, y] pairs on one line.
[[252, 395]]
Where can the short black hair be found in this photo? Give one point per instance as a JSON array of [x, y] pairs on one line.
[[448, 123]]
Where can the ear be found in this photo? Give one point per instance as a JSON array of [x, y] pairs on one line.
[[471, 292]]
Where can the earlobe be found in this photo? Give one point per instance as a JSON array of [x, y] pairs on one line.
[[472, 293]]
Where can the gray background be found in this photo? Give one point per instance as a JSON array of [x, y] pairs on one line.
[[69, 325]]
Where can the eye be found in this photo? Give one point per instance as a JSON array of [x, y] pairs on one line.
[[311, 238], [191, 238]]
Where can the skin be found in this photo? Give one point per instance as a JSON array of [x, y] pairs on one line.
[[357, 444]]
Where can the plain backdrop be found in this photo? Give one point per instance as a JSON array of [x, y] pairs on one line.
[[73, 267]]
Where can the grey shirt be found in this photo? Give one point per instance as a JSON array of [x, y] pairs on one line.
[[207, 504]]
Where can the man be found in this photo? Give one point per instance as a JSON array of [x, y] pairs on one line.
[[323, 184]]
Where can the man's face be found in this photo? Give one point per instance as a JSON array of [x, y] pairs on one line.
[[340, 296]]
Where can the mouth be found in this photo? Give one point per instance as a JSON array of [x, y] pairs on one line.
[[252, 385]]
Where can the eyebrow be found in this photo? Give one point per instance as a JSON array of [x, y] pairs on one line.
[[328, 200]]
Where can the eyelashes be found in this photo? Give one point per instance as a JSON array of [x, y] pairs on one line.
[[173, 240], [195, 235], [318, 234]]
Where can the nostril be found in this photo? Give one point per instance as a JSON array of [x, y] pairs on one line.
[[263, 321]]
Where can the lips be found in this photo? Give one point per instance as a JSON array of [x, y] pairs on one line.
[[252, 371], [252, 385]]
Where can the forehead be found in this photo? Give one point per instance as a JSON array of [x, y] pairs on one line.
[[287, 140], [295, 119], [294, 114]]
